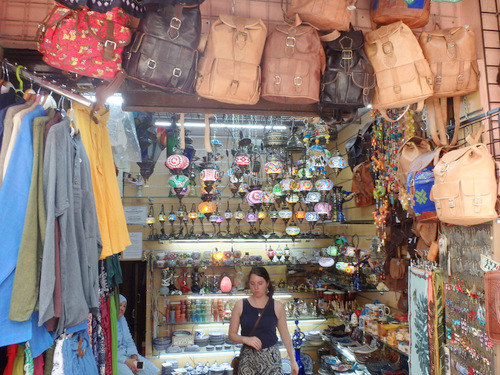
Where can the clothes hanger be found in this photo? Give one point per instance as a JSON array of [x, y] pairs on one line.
[[72, 123]]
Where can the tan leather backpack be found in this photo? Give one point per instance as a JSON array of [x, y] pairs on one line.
[[384, 12], [451, 54], [403, 74], [229, 70], [292, 65]]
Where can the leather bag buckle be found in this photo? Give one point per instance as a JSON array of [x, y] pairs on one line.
[[177, 72], [151, 64], [387, 48], [346, 54], [109, 42], [291, 41]]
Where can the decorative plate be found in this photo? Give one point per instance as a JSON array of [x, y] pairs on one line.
[[286, 365], [341, 368], [307, 361]]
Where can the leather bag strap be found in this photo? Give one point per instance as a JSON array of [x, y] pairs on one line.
[[258, 318]]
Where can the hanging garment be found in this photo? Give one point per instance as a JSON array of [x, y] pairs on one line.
[[95, 137], [3, 113], [58, 360], [6, 101], [77, 354], [27, 275], [23, 117], [39, 363], [13, 200], [8, 124], [11, 356], [18, 368], [69, 198], [49, 358]]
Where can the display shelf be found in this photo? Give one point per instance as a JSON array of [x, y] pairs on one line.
[[344, 352], [305, 320], [232, 350], [384, 343]]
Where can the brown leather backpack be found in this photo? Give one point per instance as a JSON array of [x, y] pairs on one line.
[[163, 52], [292, 65], [229, 70], [403, 74], [385, 12], [324, 15]]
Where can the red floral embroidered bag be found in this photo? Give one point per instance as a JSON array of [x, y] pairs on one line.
[[84, 41]]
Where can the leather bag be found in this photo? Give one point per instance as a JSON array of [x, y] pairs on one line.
[[451, 54], [419, 184], [163, 52], [229, 70], [349, 79], [410, 150], [403, 75], [292, 65], [465, 188], [397, 267], [359, 148], [324, 15], [84, 42], [362, 185], [415, 15]]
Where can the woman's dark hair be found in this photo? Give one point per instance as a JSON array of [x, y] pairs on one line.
[[262, 272]]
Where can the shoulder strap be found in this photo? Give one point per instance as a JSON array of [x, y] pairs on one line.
[[258, 319]]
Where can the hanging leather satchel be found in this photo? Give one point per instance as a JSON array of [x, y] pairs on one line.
[[229, 70], [451, 54], [362, 185], [83, 41], [414, 15], [410, 150], [402, 72], [163, 52], [349, 79], [324, 15], [292, 65], [359, 148], [465, 188]]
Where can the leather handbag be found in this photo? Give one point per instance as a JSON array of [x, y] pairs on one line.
[[324, 15], [362, 185], [397, 267], [293, 62], [83, 41], [163, 52], [229, 70], [403, 75], [451, 54], [349, 79], [465, 188], [414, 15], [359, 148]]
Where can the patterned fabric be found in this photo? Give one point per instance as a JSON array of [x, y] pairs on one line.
[[132, 7], [260, 362], [418, 317], [57, 361], [85, 42], [426, 322]]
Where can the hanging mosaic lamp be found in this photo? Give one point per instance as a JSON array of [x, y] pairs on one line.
[[293, 230], [337, 162], [209, 176], [177, 163]]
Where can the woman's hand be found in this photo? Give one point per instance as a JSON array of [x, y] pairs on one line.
[[254, 342], [130, 362], [295, 368]]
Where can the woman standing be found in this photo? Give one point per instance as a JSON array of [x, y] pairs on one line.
[[260, 353]]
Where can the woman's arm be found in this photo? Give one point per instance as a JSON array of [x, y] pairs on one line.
[[279, 310], [234, 325]]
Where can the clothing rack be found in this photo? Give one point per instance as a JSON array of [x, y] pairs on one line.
[[41, 81]]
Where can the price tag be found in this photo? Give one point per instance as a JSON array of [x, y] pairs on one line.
[[488, 265]]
